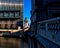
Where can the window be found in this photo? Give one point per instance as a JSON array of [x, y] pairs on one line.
[[6, 14], [1, 7], [0, 26], [12, 7], [6, 26], [17, 7], [0, 22], [6, 7], [11, 14], [16, 14], [5, 22], [13, 25], [11, 22], [1, 14]]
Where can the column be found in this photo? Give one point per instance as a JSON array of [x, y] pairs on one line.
[[8, 24], [29, 43], [2, 24], [14, 24]]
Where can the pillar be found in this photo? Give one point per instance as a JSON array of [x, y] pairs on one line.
[[14, 24], [2, 24]]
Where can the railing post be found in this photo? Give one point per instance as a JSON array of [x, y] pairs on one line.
[[29, 43], [46, 25], [22, 43]]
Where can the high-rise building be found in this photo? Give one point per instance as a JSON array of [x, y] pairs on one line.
[[11, 13]]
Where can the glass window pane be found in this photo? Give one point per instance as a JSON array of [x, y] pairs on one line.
[[6, 14], [5, 22], [0, 22], [0, 7], [11, 22], [16, 14], [1, 14], [12, 7], [11, 14]]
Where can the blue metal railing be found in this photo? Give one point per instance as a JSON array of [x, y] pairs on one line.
[[50, 29]]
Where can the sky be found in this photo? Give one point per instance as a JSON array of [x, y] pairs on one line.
[[27, 9]]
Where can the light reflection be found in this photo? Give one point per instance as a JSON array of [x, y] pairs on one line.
[[11, 4], [12, 43]]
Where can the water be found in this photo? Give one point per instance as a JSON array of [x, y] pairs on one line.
[[12, 43]]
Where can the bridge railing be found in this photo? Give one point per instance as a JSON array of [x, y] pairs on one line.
[[50, 29]]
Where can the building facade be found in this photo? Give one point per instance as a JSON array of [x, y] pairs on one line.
[[11, 12]]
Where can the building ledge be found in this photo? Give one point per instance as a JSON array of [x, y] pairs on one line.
[[11, 30]]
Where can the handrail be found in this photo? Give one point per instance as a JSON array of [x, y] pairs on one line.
[[58, 18], [50, 29]]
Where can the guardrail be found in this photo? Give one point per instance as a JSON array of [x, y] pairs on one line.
[[50, 29]]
